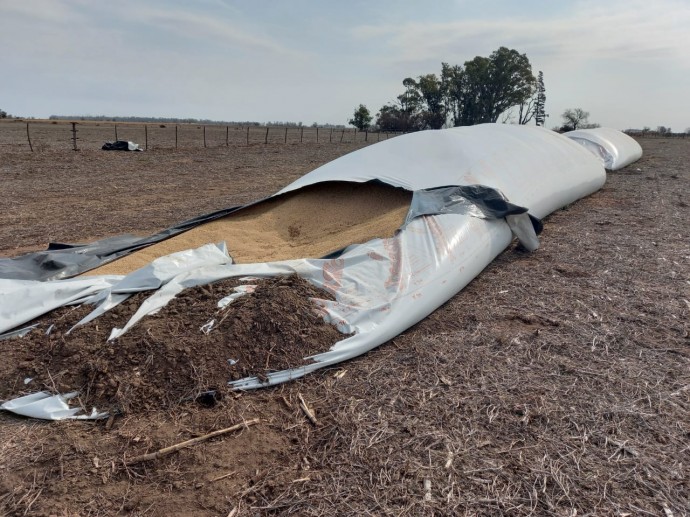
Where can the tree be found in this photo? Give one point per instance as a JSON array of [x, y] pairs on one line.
[[432, 110], [575, 118], [532, 108], [487, 87], [539, 111], [526, 111], [361, 118], [395, 117], [420, 106], [3, 114]]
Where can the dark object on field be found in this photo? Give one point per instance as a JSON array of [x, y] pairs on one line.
[[121, 145]]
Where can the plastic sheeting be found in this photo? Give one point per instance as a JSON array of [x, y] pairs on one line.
[[66, 260], [121, 145], [614, 148], [384, 286]]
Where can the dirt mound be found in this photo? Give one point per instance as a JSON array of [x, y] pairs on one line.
[[167, 359], [311, 222]]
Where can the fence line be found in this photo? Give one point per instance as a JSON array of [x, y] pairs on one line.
[[28, 137], [42, 135]]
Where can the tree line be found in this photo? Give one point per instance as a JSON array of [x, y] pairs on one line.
[[484, 89], [481, 90]]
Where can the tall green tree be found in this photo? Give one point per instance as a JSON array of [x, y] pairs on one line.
[[433, 110], [361, 118], [487, 86]]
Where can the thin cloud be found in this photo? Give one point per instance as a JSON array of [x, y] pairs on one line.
[[633, 31], [204, 27]]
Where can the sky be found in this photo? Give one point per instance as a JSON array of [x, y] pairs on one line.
[[626, 62]]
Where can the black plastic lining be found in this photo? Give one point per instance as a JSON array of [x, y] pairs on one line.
[[62, 260], [475, 200]]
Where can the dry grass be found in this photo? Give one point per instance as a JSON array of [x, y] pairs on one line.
[[557, 383]]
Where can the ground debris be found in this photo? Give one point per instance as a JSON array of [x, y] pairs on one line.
[[166, 359]]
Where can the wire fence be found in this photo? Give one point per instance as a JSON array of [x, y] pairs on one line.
[[37, 136]]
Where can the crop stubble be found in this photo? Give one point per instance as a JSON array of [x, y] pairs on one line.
[[555, 382]]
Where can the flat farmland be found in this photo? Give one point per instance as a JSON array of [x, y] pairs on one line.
[[57, 135], [556, 383]]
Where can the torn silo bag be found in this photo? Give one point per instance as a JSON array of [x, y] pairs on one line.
[[476, 187]]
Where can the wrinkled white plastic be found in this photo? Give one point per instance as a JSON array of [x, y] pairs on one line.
[[384, 286], [520, 161], [614, 148], [23, 300], [49, 407]]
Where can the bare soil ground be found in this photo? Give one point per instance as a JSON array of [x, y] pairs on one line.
[[556, 383]]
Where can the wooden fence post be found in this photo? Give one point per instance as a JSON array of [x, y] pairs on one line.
[[266, 138], [175, 137], [342, 135], [247, 135], [330, 138], [317, 134], [301, 134], [116, 139], [366, 135], [204, 135], [285, 136], [74, 136], [354, 136], [146, 137], [227, 134], [378, 134], [28, 137]]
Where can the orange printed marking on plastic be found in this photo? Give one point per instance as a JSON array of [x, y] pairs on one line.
[[333, 274], [395, 270], [440, 241]]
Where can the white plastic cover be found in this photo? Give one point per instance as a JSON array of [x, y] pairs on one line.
[[384, 286], [614, 148]]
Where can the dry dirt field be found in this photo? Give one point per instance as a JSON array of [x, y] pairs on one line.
[[556, 383]]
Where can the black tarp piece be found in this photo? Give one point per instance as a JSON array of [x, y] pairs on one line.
[[67, 260], [476, 200], [121, 145]]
